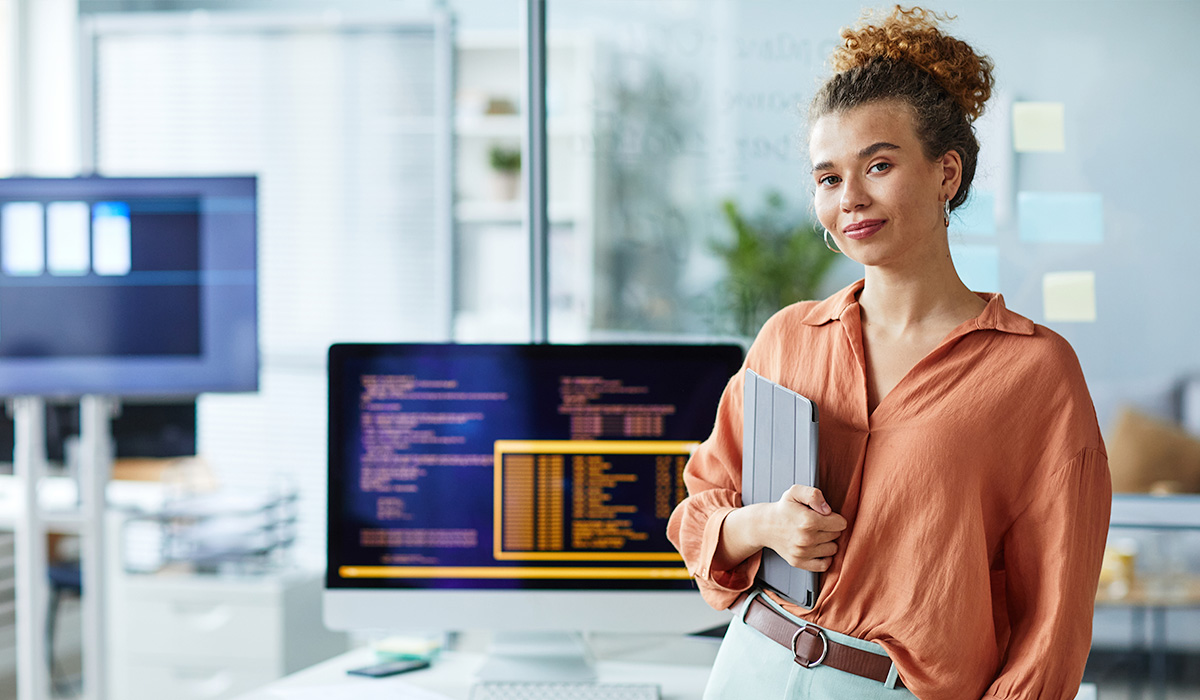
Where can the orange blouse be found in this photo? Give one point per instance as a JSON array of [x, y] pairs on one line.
[[977, 496]]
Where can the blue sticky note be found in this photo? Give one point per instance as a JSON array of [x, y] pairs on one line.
[[1060, 217], [978, 266], [976, 217]]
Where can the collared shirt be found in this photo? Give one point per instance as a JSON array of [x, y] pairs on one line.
[[977, 497]]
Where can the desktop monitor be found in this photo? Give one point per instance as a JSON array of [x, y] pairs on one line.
[[148, 428], [515, 487], [128, 286]]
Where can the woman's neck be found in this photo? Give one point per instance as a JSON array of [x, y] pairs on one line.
[[917, 297]]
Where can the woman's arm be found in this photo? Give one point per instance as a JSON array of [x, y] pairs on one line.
[[1052, 557], [719, 539], [800, 527]]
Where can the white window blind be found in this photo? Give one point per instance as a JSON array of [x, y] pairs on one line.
[[347, 127]]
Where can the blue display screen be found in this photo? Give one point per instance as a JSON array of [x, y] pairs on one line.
[[514, 466], [128, 286]]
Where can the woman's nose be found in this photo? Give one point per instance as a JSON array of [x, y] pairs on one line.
[[853, 195]]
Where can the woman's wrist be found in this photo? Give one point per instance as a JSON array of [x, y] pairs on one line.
[[739, 538]]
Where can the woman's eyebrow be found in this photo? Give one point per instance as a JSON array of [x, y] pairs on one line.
[[877, 147], [864, 153]]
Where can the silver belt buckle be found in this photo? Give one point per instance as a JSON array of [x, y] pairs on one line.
[[820, 633]]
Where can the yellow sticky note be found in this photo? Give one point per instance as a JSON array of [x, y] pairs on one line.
[[1069, 296], [1038, 126]]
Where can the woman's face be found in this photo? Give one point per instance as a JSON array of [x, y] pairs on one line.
[[876, 192]]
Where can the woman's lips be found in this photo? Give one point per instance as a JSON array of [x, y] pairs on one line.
[[863, 229]]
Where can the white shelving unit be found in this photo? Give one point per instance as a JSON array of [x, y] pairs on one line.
[[492, 250]]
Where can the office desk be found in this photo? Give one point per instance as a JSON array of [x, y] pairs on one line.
[[1144, 601], [679, 666], [1163, 516]]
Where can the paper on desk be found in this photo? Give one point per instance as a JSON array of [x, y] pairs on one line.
[[373, 689]]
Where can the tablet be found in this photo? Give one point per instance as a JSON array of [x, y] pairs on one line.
[[779, 449]]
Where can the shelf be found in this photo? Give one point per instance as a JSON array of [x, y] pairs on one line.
[[1162, 512], [512, 126], [484, 211], [1183, 592]]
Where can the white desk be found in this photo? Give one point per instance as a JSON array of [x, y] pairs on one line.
[[679, 666]]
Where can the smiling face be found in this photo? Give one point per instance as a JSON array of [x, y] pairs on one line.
[[876, 191]]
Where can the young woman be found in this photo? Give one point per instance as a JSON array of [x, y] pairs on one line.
[[964, 489]]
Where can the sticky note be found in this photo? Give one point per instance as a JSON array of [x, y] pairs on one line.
[[1069, 296], [978, 266], [1038, 127], [977, 216], [1060, 217]]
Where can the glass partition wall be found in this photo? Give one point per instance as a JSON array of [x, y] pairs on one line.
[[691, 126]]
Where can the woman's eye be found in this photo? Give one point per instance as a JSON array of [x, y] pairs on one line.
[[879, 167], [828, 180]]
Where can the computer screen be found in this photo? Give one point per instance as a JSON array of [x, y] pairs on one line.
[[515, 487], [151, 428], [128, 286]]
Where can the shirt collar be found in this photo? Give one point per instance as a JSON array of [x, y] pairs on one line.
[[994, 316]]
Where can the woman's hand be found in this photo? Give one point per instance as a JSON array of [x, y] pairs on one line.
[[800, 527]]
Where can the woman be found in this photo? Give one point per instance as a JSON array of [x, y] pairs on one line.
[[965, 493]]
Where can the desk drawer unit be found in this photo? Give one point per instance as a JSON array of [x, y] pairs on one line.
[[194, 637], [211, 625], [195, 680]]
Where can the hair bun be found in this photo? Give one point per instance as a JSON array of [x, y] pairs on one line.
[[912, 35]]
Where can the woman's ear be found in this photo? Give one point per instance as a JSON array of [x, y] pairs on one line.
[[952, 171]]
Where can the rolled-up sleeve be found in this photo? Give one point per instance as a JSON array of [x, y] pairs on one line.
[[713, 477], [1052, 556]]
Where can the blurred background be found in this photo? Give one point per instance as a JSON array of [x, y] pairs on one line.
[[679, 204]]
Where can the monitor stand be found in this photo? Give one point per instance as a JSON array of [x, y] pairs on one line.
[[552, 657], [31, 529]]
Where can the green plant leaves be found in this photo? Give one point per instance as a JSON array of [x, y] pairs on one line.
[[776, 257]]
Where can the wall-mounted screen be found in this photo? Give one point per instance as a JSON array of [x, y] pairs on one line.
[[128, 286]]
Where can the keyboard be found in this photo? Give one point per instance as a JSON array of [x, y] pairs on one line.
[[495, 690]]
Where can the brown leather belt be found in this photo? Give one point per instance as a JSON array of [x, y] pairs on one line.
[[812, 647]]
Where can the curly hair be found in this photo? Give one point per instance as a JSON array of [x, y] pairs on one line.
[[905, 56]]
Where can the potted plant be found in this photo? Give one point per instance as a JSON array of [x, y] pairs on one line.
[[506, 171], [776, 257]]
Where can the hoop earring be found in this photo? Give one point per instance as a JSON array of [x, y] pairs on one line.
[[946, 213], [828, 244]]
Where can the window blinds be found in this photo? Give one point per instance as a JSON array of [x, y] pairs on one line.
[[348, 128]]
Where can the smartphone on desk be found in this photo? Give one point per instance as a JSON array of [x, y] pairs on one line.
[[389, 668]]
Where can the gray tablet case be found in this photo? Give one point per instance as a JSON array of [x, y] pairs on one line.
[[779, 449]]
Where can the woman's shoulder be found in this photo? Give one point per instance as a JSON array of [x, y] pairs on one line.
[[1047, 351], [1048, 380], [810, 314], [792, 321], [788, 329], [1019, 342]]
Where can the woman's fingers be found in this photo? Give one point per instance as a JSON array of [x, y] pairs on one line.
[[809, 496]]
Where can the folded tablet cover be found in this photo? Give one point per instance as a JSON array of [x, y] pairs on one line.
[[779, 449]]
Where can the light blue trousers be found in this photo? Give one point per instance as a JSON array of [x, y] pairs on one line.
[[749, 665]]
